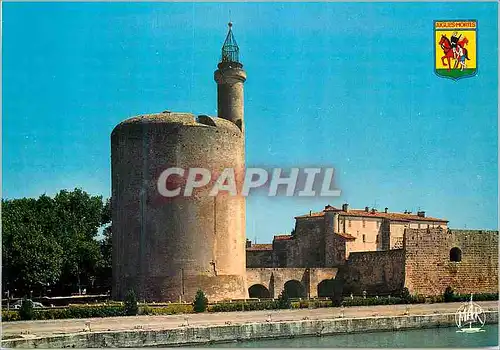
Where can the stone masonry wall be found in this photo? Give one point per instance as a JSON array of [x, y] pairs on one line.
[[274, 279], [307, 249], [377, 273], [428, 269], [259, 258], [168, 248]]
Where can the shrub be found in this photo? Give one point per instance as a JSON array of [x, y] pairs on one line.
[[448, 295], [336, 299], [436, 299], [130, 307], [200, 302], [485, 296], [26, 312], [416, 299], [475, 297], [10, 316], [359, 301], [405, 295], [171, 309], [284, 301]]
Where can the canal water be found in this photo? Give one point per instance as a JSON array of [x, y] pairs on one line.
[[418, 338]]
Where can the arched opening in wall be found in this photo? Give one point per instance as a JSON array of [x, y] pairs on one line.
[[455, 254], [326, 288], [258, 291], [295, 289]]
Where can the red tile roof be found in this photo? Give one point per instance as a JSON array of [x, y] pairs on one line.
[[363, 213], [346, 235], [257, 247], [392, 216], [282, 237], [312, 215]]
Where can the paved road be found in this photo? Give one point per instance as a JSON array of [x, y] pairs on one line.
[[54, 327]]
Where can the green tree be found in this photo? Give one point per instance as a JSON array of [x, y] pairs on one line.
[[105, 271], [284, 301], [31, 259], [405, 295], [26, 312], [130, 306], [200, 302], [79, 219], [52, 242]]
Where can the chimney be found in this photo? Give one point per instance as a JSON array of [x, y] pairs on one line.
[[421, 214], [386, 209], [310, 212], [345, 207], [367, 209], [406, 211], [249, 243], [374, 210]]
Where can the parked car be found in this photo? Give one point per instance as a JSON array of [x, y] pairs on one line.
[[17, 304]]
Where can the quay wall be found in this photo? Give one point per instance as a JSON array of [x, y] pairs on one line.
[[238, 332]]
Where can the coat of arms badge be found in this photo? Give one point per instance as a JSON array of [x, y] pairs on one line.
[[455, 48]]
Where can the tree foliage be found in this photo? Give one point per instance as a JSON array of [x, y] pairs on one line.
[[51, 243], [200, 302], [131, 307], [405, 295], [26, 312], [284, 301]]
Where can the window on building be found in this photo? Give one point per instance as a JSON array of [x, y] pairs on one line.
[[349, 223], [364, 240], [455, 254], [364, 224], [376, 240], [418, 225]]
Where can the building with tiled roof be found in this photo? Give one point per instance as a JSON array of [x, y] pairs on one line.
[[326, 238]]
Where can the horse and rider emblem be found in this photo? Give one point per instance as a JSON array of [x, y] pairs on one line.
[[455, 48]]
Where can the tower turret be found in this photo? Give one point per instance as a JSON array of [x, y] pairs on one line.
[[230, 77]]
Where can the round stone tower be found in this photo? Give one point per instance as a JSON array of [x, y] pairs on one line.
[[166, 248]]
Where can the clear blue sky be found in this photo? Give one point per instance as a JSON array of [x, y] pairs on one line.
[[344, 85]]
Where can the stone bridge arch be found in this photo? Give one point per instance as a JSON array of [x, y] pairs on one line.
[[295, 289], [259, 291], [274, 279]]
